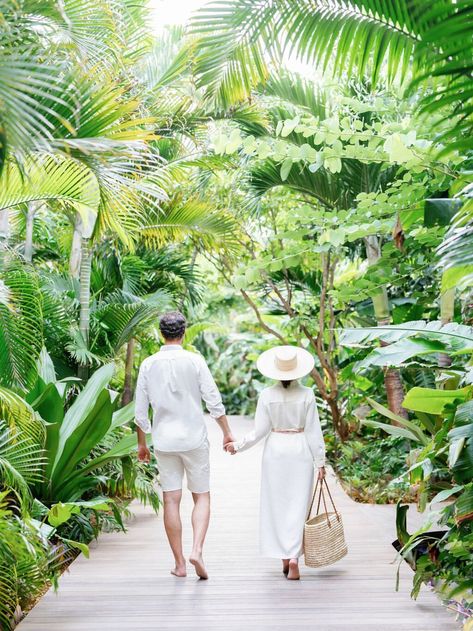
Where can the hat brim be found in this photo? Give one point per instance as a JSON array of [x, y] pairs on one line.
[[267, 367]]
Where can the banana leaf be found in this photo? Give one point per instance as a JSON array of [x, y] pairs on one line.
[[434, 401]]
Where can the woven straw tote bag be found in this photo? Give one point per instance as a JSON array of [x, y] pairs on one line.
[[324, 539]]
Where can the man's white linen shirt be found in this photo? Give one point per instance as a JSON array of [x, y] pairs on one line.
[[174, 382]]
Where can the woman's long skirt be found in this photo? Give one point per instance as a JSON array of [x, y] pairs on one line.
[[287, 481]]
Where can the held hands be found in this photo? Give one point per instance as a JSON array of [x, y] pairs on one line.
[[230, 448], [321, 473], [227, 440]]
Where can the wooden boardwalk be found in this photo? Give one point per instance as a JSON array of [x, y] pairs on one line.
[[126, 584]]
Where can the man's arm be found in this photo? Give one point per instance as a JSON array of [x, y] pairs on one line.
[[225, 427], [213, 401], [143, 451], [141, 416]]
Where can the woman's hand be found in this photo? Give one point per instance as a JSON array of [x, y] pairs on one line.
[[321, 473], [230, 448]]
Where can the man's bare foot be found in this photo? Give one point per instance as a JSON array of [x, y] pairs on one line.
[[180, 571], [198, 563], [285, 566], [293, 574]]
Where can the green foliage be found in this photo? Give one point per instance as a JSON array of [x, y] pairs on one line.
[[270, 208], [371, 469], [26, 561], [20, 325]]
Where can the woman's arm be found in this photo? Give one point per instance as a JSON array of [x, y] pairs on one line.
[[313, 432], [261, 429]]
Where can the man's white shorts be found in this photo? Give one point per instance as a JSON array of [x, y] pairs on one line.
[[195, 463]]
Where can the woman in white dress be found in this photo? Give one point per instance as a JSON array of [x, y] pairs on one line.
[[286, 415]]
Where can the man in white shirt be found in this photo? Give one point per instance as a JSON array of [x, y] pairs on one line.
[[174, 382]]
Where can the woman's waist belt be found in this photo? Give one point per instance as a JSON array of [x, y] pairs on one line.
[[293, 430]]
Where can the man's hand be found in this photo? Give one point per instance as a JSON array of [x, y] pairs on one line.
[[227, 438], [321, 474], [143, 453]]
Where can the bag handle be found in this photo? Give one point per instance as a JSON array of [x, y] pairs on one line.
[[322, 497]]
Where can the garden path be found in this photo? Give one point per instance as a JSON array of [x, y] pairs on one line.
[[126, 584]]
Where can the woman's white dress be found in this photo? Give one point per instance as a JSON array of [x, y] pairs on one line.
[[287, 475]]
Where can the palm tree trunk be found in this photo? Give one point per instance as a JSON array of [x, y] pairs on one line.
[[447, 309], [84, 298], [30, 215], [75, 257], [128, 383], [392, 377]]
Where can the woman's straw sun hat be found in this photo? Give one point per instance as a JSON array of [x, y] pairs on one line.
[[285, 363]]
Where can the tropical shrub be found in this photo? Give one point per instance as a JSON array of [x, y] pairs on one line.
[[442, 462]]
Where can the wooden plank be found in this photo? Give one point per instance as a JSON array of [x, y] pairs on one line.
[[126, 583]]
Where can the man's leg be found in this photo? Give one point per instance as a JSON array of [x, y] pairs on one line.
[[200, 524], [173, 526]]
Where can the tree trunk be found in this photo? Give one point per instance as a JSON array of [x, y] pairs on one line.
[[30, 215], [392, 376], [128, 383], [75, 257], [339, 424], [447, 309], [84, 298]]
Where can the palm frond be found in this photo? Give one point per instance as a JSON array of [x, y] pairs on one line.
[[230, 58], [25, 122], [47, 177], [348, 34], [21, 463], [295, 94], [192, 217], [86, 28], [21, 327], [20, 418], [448, 44], [122, 316]]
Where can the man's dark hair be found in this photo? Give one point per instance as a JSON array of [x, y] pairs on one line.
[[172, 325]]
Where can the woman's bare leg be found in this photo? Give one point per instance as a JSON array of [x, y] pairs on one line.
[[200, 524], [293, 574], [173, 526], [285, 566]]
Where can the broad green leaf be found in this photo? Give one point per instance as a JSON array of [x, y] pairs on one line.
[[123, 415], [286, 169], [454, 451], [78, 445], [391, 429], [453, 277], [434, 401], [60, 513], [412, 427], [397, 150], [82, 408], [445, 494], [440, 211], [79, 545], [399, 352], [124, 447]]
